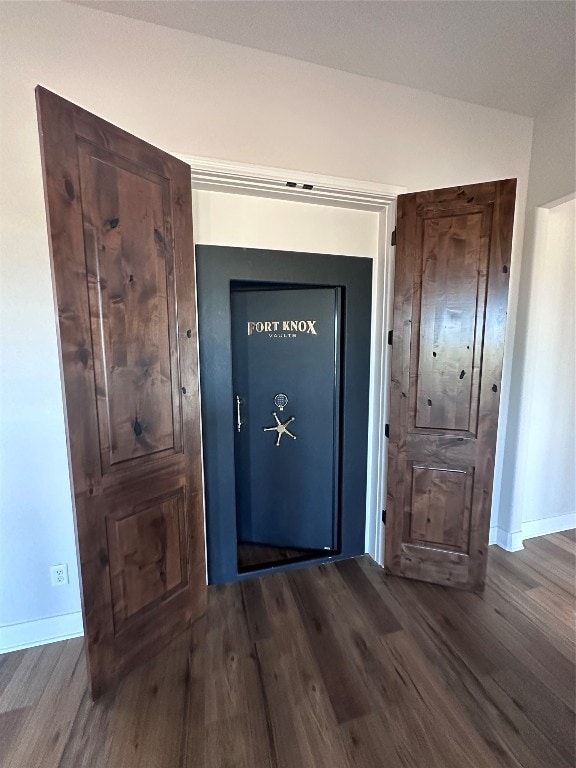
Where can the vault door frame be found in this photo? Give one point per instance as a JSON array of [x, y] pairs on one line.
[[218, 267], [277, 183]]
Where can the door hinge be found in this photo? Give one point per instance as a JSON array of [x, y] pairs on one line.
[[390, 335], [384, 516], [393, 238], [387, 430]]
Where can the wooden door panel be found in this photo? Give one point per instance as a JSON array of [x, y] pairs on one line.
[[120, 222], [451, 283], [148, 563], [439, 512], [438, 566], [453, 286], [132, 310]]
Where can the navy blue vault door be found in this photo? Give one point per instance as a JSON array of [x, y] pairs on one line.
[[286, 373]]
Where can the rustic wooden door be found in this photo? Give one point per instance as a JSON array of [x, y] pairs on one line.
[[450, 295], [120, 223]]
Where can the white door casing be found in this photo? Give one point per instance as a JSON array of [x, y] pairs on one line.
[[276, 183]]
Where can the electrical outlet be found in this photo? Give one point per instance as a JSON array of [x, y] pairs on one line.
[[59, 575]]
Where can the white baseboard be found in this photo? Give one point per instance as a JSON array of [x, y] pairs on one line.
[[545, 525], [15, 637], [512, 541]]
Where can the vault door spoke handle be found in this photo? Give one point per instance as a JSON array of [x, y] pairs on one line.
[[281, 428]]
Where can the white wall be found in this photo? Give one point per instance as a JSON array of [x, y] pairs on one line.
[[256, 222], [540, 406], [553, 161], [546, 459], [195, 96]]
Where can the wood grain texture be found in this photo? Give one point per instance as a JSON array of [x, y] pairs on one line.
[[335, 666], [453, 272], [120, 226], [127, 221], [450, 296]]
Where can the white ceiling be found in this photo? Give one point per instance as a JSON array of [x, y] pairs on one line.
[[506, 54]]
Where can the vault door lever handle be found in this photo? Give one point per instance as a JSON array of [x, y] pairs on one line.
[[239, 422]]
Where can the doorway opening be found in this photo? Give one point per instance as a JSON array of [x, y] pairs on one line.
[[235, 205]]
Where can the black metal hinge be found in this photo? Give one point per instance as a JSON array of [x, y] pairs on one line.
[[393, 238], [384, 516], [390, 335], [387, 430]]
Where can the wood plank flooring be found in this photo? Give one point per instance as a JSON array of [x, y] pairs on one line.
[[334, 666]]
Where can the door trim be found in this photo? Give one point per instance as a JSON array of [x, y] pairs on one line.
[[211, 174], [225, 176]]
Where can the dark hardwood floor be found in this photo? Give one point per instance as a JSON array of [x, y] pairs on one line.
[[330, 667]]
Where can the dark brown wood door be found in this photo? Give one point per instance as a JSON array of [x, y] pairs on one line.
[[450, 296], [120, 223]]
